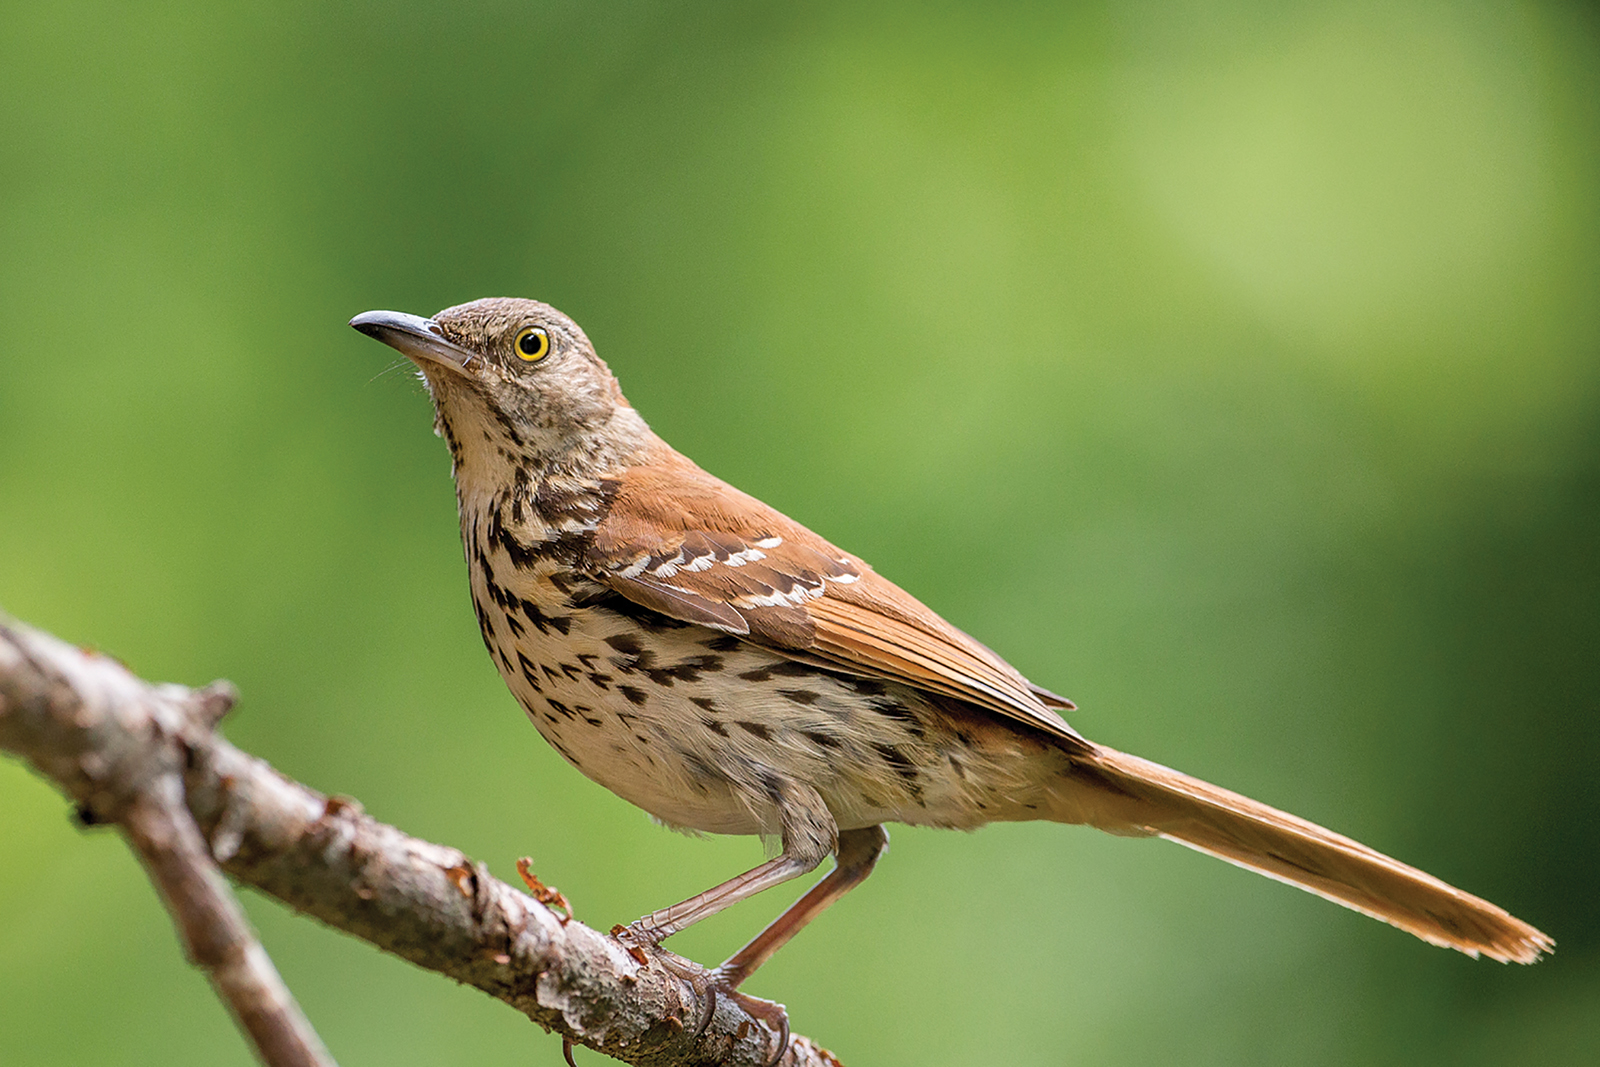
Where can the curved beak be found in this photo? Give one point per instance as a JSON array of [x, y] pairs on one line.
[[418, 339]]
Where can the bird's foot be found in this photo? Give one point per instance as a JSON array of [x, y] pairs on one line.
[[640, 940], [642, 943], [775, 1015]]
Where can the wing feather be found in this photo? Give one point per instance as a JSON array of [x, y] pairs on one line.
[[683, 543]]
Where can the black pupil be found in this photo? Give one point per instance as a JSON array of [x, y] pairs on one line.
[[531, 343]]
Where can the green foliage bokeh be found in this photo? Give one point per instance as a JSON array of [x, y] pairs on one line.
[[1233, 369]]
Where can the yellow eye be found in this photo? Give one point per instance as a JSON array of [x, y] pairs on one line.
[[532, 344]]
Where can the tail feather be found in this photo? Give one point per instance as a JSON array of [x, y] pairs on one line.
[[1125, 794]]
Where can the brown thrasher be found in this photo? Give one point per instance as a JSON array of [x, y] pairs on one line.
[[727, 670]]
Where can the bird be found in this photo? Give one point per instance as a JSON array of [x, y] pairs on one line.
[[714, 662]]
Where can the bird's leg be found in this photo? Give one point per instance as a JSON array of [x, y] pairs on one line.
[[656, 927], [857, 853], [809, 834]]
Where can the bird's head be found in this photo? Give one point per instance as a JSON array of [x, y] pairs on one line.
[[512, 381]]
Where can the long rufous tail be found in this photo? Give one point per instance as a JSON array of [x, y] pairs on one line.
[[1128, 795]]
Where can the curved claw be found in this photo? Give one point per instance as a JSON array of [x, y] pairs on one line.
[[566, 1052], [770, 1012], [706, 1016], [783, 1043]]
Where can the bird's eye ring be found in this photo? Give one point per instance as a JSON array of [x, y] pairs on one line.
[[532, 344]]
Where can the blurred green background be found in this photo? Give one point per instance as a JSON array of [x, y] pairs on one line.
[[1232, 368]]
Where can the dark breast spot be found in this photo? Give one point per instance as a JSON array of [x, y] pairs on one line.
[[783, 669], [530, 671], [559, 623], [689, 670], [627, 644], [898, 760], [890, 708], [821, 740], [793, 669]]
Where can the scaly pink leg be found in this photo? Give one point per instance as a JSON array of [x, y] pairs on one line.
[[659, 925], [857, 853]]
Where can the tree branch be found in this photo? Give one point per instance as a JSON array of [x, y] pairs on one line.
[[147, 758], [214, 929]]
